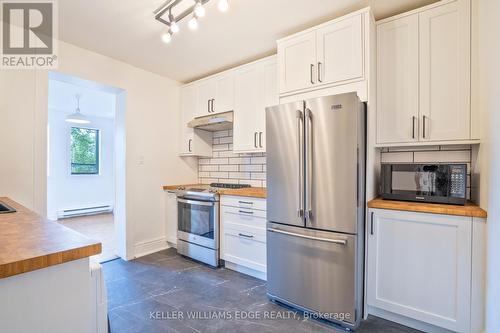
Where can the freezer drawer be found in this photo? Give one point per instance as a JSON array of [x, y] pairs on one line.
[[313, 270]]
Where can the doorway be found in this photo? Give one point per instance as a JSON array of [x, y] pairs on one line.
[[86, 160]]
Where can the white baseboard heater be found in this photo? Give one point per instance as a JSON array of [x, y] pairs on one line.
[[62, 214]]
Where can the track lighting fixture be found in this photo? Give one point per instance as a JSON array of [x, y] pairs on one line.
[[196, 11]]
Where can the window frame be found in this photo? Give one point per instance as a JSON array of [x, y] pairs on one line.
[[98, 151]]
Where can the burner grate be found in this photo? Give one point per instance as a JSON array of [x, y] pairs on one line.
[[225, 185]]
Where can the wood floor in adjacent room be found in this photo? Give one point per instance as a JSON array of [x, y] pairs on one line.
[[99, 227]]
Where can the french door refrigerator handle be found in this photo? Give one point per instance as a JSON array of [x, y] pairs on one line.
[[300, 119], [321, 239], [309, 162]]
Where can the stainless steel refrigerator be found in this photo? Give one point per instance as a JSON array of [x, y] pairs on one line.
[[316, 206]]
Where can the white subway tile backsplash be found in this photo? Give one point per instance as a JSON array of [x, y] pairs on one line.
[[209, 167], [219, 161], [251, 167], [217, 147], [239, 175], [229, 167], [448, 156], [258, 175], [254, 183], [413, 148], [402, 157], [239, 160], [220, 134], [227, 139], [219, 174], [258, 160]]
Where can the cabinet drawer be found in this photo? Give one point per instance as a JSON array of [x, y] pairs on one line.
[[251, 217], [244, 245], [243, 202]]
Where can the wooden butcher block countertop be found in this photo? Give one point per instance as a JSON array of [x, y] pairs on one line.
[[254, 192], [29, 242], [470, 209]]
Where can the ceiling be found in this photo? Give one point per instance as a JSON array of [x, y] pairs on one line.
[[93, 101], [126, 30]]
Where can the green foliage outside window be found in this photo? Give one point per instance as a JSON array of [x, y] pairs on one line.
[[84, 151]]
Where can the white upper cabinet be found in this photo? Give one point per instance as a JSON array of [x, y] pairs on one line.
[[397, 80], [192, 142], [255, 89], [215, 95], [297, 61], [224, 97], [423, 71], [445, 72], [327, 55], [340, 51]]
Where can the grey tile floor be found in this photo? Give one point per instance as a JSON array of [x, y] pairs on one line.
[[159, 293]]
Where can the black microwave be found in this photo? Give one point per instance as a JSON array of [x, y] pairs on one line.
[[435, 183]]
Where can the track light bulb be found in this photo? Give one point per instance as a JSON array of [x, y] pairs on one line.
[[174, 27], [166, 37], [193, 23], [223, 5], [199, 10]]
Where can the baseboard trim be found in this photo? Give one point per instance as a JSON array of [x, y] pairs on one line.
[[154, 245], [406, 321], [245, 270]]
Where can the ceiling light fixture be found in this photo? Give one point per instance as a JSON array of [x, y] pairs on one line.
[[174, 27], [166, 37], [223, 5], [167, 15], [193, 23], [199, 10], [77, 117]]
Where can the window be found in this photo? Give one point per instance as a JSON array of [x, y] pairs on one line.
[[84, 151]]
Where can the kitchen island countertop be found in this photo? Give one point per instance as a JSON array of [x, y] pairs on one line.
[[29, 242]]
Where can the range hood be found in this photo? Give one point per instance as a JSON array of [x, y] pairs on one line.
[[215, 122]]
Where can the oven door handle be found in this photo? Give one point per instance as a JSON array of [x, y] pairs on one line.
[[197, 203]]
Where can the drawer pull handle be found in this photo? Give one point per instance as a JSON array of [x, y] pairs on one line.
[[246, 236], [245, 212], [246, 202]]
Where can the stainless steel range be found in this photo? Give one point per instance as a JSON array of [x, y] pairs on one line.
[[198, 221]]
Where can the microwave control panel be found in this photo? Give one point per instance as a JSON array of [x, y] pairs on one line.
[[458, 180]]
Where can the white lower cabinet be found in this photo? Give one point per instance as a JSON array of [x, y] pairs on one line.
[[420, 267], [243, 235]]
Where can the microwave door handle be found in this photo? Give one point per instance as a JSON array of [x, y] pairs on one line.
[[300, 133]]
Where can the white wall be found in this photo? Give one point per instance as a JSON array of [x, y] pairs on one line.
[[67, 191], [488, 100], [152, 115]]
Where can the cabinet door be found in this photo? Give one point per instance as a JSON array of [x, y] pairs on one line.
[[188, 107], [224, 98], [271, 97], [249, 108], [397, 80], [206, 93], [445, 72], [419, 266], [297, 63], [340, 51]]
